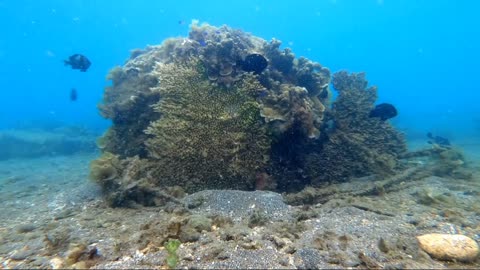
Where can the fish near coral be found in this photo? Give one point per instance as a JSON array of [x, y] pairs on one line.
[[78, 61], [383, 111], [442, 141], [255, 63]]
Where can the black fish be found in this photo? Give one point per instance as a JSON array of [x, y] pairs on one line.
[[73, 94], [254, 62], [78, 61], [438, 140], [384, 111]]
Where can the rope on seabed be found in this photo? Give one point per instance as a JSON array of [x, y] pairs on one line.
[[312, 195], [406, 175]]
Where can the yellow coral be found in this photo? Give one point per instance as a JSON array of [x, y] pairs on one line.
[[208, 136], [104, 168]]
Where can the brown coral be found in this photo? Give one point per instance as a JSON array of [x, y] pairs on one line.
[[105, 168], [356, 145], [208, 136], [185, 113]]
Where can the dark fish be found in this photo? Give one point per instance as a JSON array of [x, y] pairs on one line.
[[438, 140], [255, 63], [384, 111], [78, 61], [73, 94], [262, 93], [323, 94]]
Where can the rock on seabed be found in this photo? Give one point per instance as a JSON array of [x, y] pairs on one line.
[[449, 246]]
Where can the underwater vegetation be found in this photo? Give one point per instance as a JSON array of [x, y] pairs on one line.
[[171, 246], [223, 109]]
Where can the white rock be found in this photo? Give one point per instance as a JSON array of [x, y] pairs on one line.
[[449, 246], [57, 263]]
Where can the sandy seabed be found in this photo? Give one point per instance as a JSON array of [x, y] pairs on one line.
[[52, 216]]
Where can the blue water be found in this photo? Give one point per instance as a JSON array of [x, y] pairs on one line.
[[423, 55]]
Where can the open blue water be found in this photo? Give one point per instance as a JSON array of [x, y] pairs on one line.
[[423, 55]]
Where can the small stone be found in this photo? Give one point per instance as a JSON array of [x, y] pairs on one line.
[[39, 262], [213, 252], [200, 223], [74, 254], [251, 245], [223, 255], [19, 255], [188, 257], [79, 265], [449, 247], [64, 214], [24, 228], [383, 246], [290, 249], [284, 261], [279, 242], [189, 234], [57, 263]]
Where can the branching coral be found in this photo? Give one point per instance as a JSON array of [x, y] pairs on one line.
[[301, 72], [290, 106], [357, 144], [128, 84], [127, 102], [281, 60]]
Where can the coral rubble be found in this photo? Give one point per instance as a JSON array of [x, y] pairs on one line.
[[224, 109]]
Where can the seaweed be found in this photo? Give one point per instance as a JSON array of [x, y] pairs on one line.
[[172, 258], [105, 168]]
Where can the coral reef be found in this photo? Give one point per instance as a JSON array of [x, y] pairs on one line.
[[105, 168], [208, 136], [222, 108], [127, 102], [355, 144]]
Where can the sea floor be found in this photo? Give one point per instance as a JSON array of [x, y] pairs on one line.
[[52, 216]]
